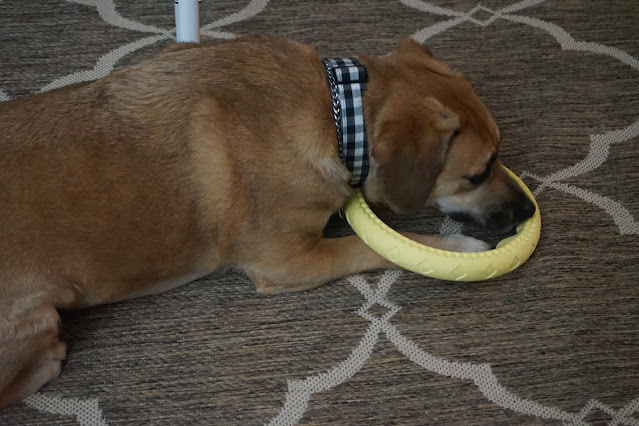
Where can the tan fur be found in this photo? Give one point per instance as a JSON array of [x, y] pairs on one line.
[[211, 156]]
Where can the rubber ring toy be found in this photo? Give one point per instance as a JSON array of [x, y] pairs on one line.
[[510, 253]]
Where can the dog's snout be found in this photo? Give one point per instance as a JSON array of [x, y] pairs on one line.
[[525, 209], [511, 214]]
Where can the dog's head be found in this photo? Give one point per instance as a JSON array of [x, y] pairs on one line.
[[435, 143]]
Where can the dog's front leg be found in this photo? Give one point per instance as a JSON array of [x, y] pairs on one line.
[[309, 264], [314, 264]]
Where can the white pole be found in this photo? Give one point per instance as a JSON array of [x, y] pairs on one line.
[[187, 21]]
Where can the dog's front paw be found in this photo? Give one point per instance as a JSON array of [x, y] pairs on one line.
[[466, 244]]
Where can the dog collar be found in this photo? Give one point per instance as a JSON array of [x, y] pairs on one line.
[[347, 79]]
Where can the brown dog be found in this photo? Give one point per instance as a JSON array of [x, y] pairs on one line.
[[220, 155]]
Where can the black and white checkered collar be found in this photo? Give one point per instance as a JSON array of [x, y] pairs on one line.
[[347, 79]]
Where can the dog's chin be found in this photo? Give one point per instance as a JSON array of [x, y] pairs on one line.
[[496, 225], [503, 223], [498, 228]]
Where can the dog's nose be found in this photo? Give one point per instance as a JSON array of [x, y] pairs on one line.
[[525, 210]]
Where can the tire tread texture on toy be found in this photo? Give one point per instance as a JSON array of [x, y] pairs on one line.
[[509, 254]]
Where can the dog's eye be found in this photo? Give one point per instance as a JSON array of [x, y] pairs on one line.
[[478, 179]]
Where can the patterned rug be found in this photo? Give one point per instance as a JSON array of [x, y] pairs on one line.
[[555, 342]]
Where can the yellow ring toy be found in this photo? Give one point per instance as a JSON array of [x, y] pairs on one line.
[[510, 253]]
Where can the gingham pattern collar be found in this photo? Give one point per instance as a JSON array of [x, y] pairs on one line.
[[347, 79]]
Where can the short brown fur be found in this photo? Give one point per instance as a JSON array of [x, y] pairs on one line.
[[210, 156]]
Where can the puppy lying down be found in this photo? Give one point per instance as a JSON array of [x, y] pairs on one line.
[[225, 155]]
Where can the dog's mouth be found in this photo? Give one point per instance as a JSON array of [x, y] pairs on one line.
[[500, 225], [495, 225], [501, 218], [501, 222]]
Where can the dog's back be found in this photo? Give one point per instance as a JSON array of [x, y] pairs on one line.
[[83, 199]]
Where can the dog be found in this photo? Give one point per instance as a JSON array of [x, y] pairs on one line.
[[224, 155]]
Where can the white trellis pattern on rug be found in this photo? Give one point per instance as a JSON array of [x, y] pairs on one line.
[[300, 392]]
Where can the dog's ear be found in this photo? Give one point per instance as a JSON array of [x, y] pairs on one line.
[[408, 45], [410, 147]]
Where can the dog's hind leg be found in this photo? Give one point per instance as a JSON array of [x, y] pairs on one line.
[[30, 352]]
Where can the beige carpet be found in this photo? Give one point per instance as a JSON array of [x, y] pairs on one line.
[[556, 342]]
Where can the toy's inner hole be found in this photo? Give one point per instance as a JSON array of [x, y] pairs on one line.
[[427, 221]]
